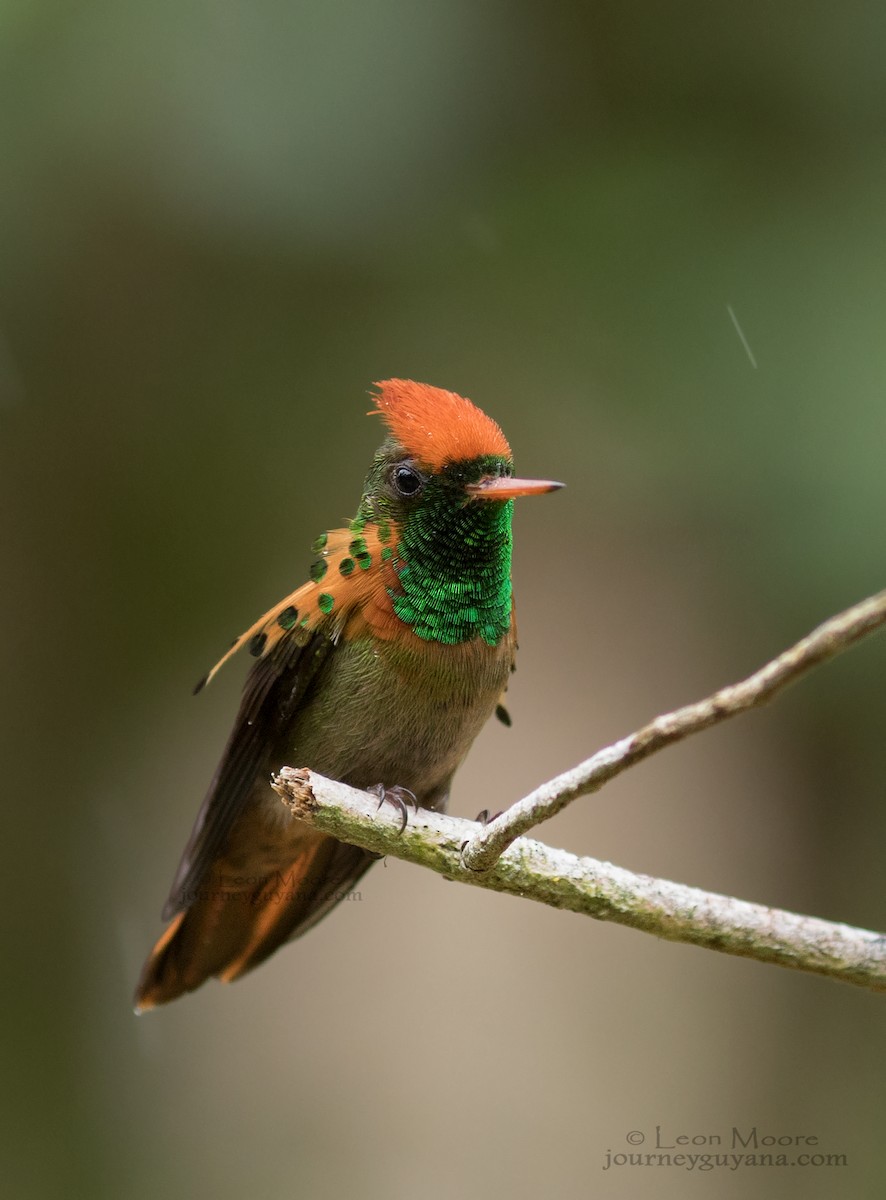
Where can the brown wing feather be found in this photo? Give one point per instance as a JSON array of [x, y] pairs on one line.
[[290, 641], [273, 691], [239, 892]]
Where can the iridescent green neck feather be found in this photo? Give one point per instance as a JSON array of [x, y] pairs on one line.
[[452, 554], [456, 581]]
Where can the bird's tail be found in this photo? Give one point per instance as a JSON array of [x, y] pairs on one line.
[[226, 932]]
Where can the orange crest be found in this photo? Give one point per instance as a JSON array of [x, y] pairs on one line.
[[437, 427]]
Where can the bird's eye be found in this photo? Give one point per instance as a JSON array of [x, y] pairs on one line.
[[407, 480]]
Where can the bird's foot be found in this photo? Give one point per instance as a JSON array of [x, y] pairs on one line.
[[400, 797]]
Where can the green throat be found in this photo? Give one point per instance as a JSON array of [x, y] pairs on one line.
[[455, 569]]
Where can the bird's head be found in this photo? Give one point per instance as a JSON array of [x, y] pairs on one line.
[[430, 547], [441, 489], [442, 453]]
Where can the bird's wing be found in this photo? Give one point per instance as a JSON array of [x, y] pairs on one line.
[[291, 641], [289, 660]]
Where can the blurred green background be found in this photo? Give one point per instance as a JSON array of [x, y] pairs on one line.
[[219, 223]]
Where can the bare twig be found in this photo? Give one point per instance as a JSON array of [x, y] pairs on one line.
[[827, 640], [583, 885]]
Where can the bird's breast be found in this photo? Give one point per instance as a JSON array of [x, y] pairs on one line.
[[398, 714]]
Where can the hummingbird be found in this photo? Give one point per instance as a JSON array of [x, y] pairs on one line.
[[379, 671]]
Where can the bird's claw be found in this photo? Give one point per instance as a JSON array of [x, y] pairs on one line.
[[398, 797]]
